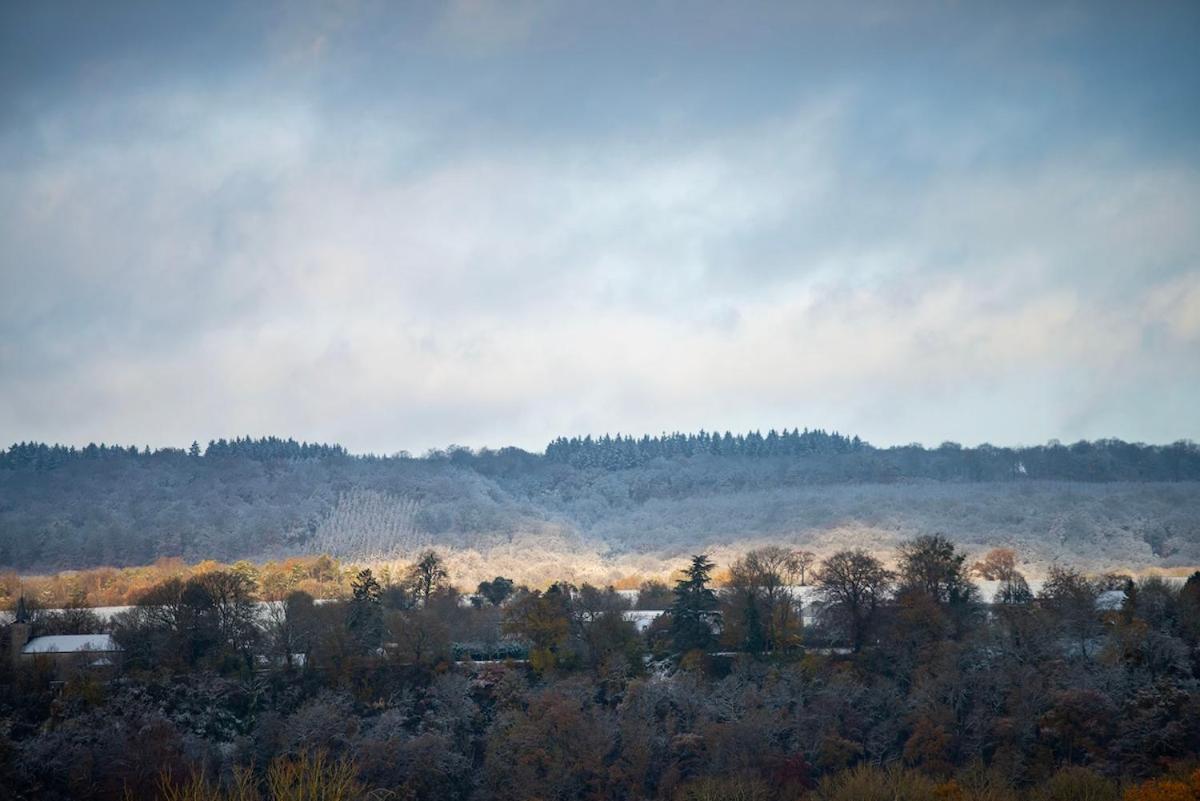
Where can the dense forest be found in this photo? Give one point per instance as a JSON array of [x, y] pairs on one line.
[[904, 684], [630, 504], [841, 457]]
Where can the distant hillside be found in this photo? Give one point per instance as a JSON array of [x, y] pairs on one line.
[[596, 504]]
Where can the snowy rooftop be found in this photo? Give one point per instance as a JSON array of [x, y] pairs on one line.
[[70, 643]]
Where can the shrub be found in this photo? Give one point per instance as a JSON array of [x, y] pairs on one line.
[[199, 788], [313, 777], [1076, 784], [728, 788], [870, 783], [1167, 789], [308, 777]]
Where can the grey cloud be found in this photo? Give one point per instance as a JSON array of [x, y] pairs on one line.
[[401, 231]]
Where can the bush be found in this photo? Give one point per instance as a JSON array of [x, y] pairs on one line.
[[870, 783], [313, 777], [308, 777], [1167, 789], [1076, 784], [199, 788], [731, 788]]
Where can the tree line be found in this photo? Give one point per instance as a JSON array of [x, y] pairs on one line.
[[615, 453], [873, 680], [1100, 460], [39, 456]]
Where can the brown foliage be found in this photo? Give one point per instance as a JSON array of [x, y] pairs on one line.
[[1167, 789], [308, 777], [999, 564]]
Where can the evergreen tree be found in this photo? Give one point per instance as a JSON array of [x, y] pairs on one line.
[[695, 607], [755, 639], [365, 617]]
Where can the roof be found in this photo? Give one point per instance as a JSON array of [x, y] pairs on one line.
[[70, 643]]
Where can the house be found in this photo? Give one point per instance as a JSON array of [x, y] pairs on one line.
[[65, 652]]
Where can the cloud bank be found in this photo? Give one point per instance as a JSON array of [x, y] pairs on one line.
[[501, 223]]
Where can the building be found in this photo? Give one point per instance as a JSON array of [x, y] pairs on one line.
[[64, 652]]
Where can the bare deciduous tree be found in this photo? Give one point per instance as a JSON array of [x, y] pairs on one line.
[[804, 563], [852, 586]]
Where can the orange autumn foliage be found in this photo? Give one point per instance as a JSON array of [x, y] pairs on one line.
[[1167, 789], [319, 576]]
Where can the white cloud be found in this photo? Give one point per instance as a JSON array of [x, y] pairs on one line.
[[250, 272]]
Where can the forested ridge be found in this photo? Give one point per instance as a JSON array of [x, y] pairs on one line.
[[603, 498], [1100, 460]]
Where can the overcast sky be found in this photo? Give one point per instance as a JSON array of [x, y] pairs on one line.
[[490, 223]]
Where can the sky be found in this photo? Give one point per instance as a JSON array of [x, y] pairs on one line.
[[409, 225]]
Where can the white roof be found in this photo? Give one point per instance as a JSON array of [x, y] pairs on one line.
[[70, 643]]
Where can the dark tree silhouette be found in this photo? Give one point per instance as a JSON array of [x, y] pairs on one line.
[[695, 608]]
